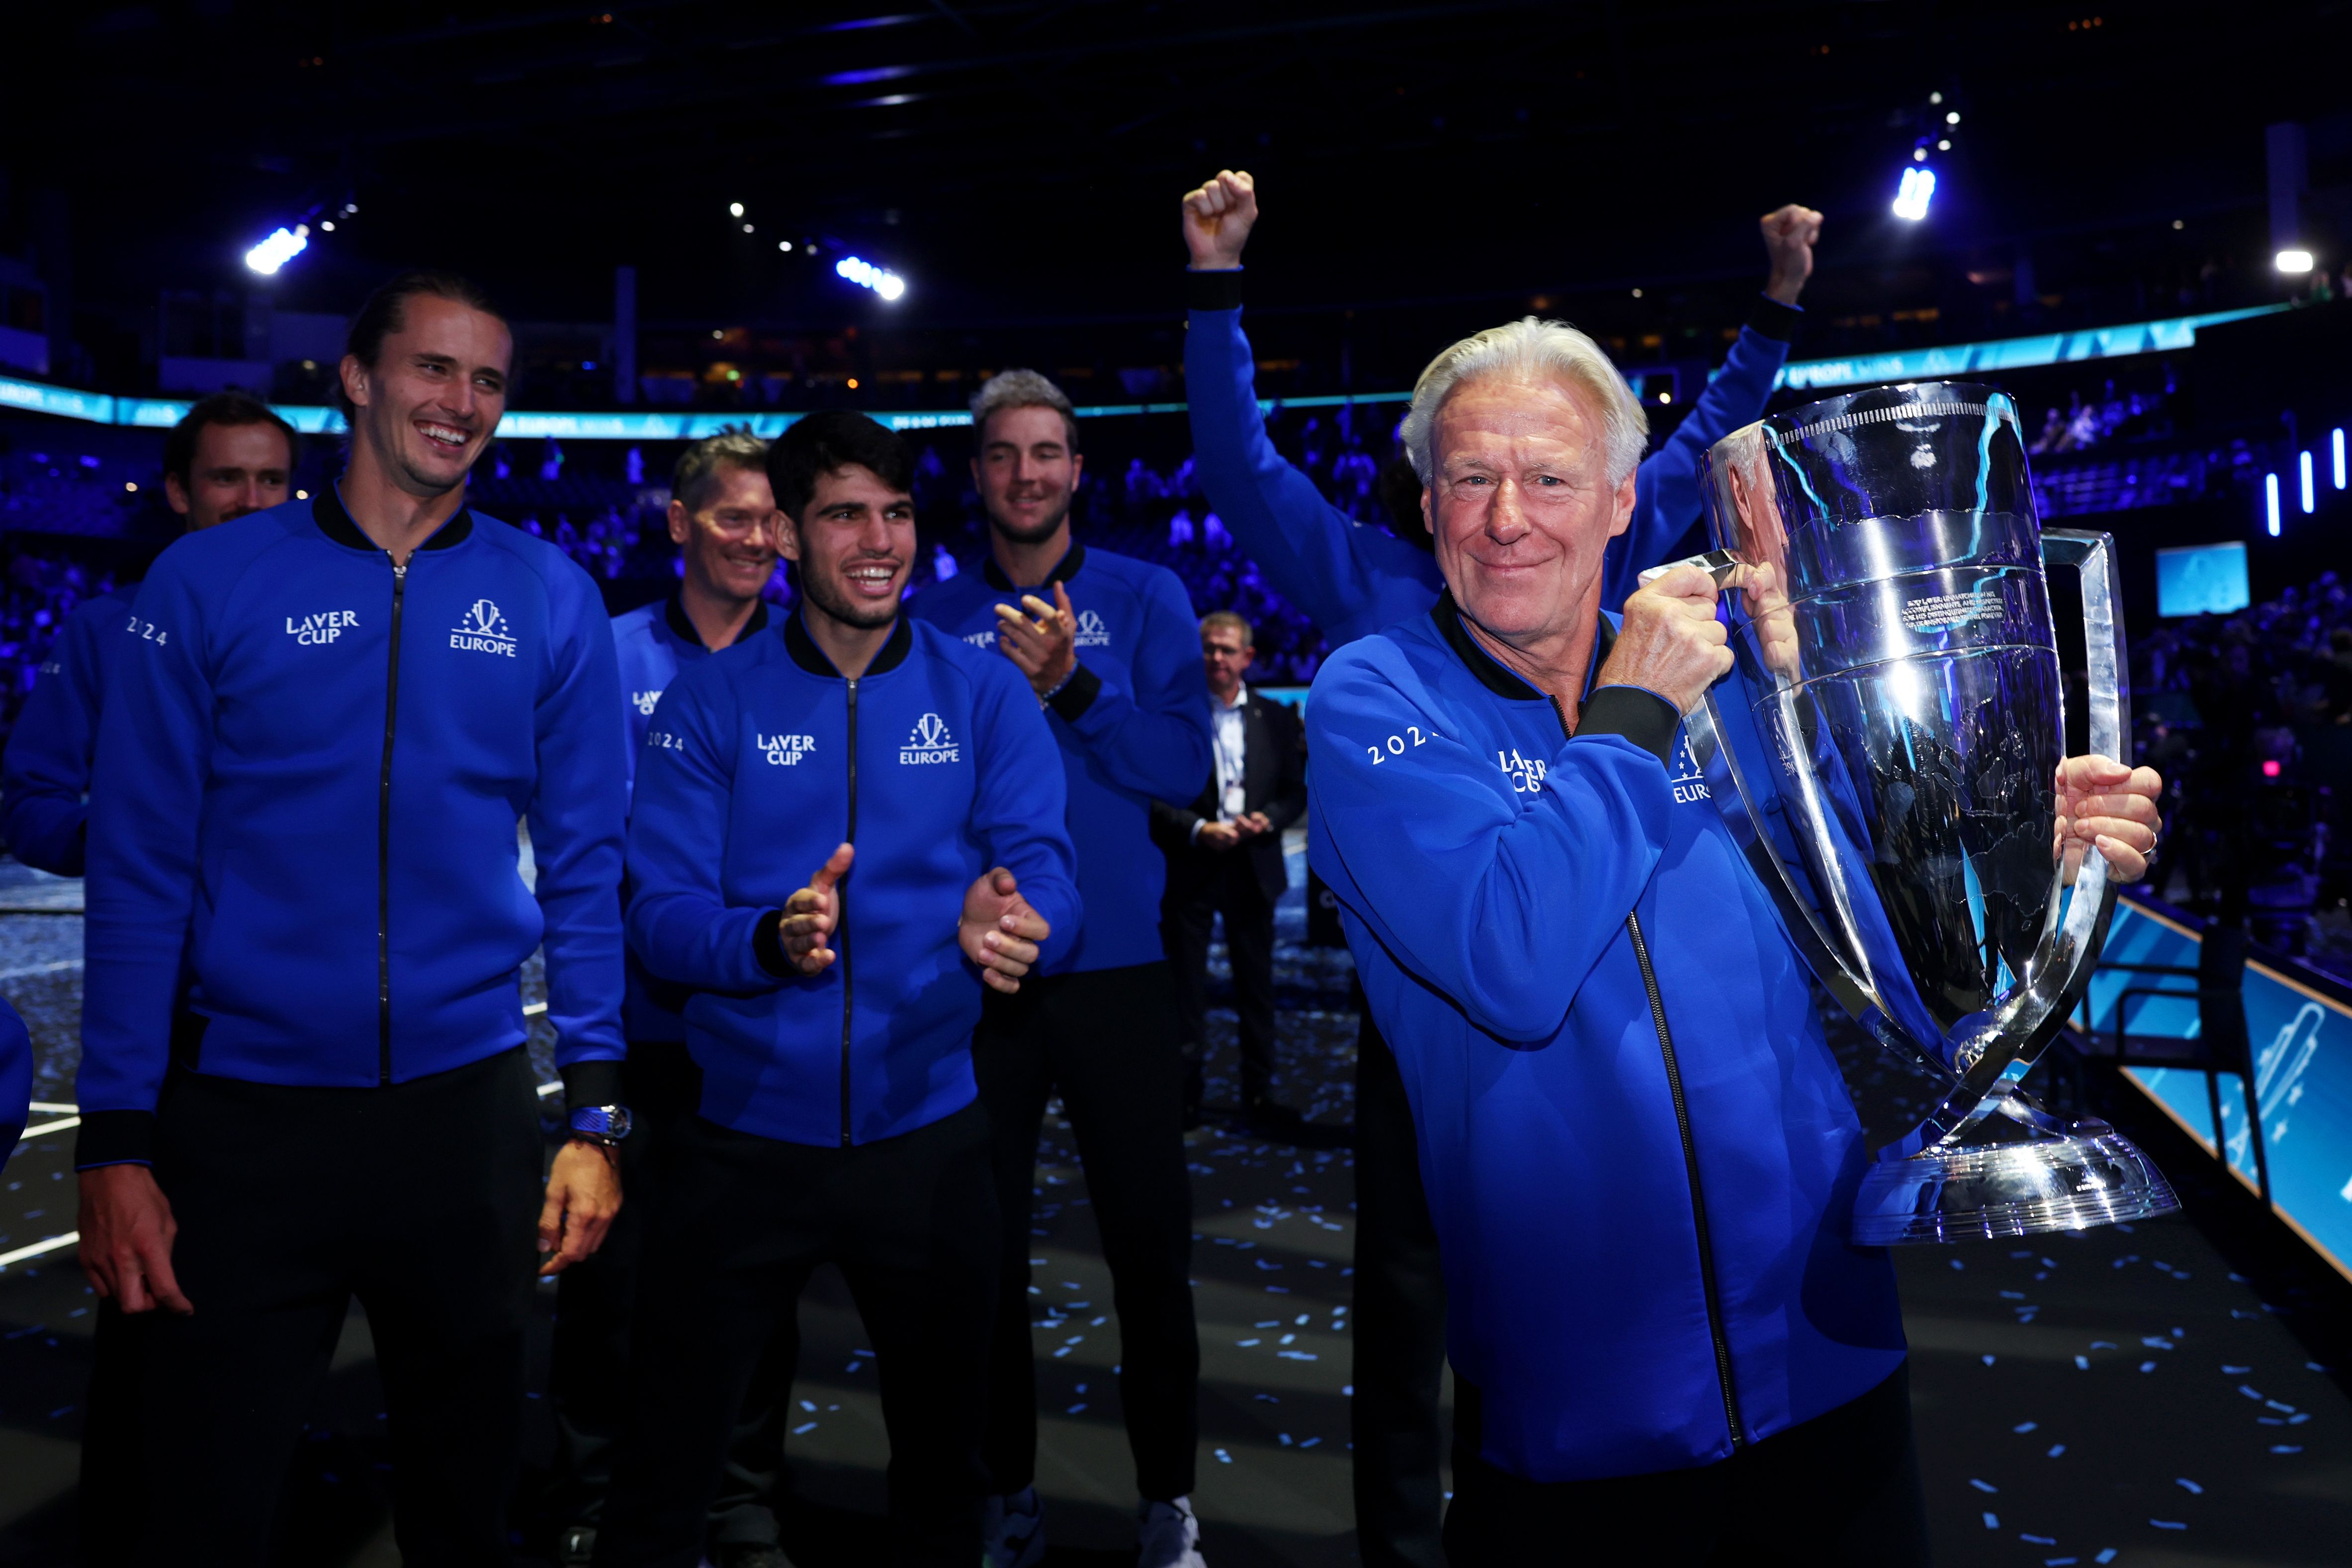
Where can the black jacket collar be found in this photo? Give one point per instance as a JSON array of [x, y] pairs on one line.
[[674, 614], [1064, 570], [327, 510], [1492, 675], [811, 658]]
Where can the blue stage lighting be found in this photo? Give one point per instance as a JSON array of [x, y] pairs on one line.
[[2335, 444], [865, 275], [2310, 487], [2270, 503], [1917, 189], [278, 250]]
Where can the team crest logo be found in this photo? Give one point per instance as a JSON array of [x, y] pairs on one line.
[[317, 630], [929, 743], [1690, 779], [647, 700], [784, 750], [1091, 631], [483, 629], [1527, 777]]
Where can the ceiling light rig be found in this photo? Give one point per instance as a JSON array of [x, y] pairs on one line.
[[865, 275], [288, 241], [1916, 187]]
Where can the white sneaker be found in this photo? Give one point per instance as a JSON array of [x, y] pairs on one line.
[[1013, 1530], [1169, 1537]]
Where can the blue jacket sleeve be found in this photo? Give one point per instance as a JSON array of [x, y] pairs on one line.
[[1505, 912], [1153, 740], [1349, 579], [1019, 806], [154, 757], [577, 817], [16, 1078], [45, 781], [680, 924], [1666, 500]]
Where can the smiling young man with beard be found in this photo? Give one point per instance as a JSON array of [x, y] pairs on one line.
[[722, 516], [1115, 661], [326, 723], [811, 812]]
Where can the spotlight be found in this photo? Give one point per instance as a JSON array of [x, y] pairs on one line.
[[2310, 484], [785, 246], [2336, 445], [328, 225], [285, 245], [1945, 145], [748, 230], [734, 209], [1918, 155], [1934, 97], [1953, 118], [2270, 503], [1912, 196], [865, 275], [2295, 262]]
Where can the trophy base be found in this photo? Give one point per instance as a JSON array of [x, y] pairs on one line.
[[2090, 1174]]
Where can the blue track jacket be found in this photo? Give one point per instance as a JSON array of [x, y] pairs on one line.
[[1352, 578], [310, 773], [1133, 724], [45, 781], [936, 765], [16, 1078], [1598, 1258], [652, 642]]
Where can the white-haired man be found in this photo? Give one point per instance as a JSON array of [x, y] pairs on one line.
[[1636, 1143]]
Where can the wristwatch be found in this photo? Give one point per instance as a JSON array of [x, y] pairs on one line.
[[604, 1124]]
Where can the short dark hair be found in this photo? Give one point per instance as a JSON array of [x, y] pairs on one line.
[[827, 443], [386, 311], [224, 408]]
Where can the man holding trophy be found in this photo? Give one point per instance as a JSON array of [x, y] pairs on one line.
[[1568, 918]]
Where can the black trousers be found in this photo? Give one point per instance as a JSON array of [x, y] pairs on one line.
[[1229, 888], [422, 1199], [1400, 1327], [589, 1372], [1104, 1039], [743, 1221], [1841, 1491], [110, 1502]]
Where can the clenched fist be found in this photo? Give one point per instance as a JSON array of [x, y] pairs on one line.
[[1670, 642], [1790, 236], [1218, 219]]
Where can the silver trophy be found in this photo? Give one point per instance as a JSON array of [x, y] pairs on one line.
[[1886, 753]]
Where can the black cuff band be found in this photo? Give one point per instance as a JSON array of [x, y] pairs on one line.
[[767, 944], [1213, 291], [1641, 715], [590, 1083], [1077, 694], [1773, 320], [114, 1138]]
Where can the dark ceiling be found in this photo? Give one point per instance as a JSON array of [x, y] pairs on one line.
[[1022, 159]]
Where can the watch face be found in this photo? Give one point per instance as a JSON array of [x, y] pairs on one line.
[[601, 1120]]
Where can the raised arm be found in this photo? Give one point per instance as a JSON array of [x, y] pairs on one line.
[[1349, 578], [577, 818], [1667, 504]]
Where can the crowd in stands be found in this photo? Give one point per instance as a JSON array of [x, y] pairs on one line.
[[37, 592], [2250, 718]]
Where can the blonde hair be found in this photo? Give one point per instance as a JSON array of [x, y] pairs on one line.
[[1530, 350]]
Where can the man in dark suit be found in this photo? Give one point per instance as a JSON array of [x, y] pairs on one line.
[[1224, 858]]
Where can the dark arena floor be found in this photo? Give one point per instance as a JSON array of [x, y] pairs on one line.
[[2152, 1396]]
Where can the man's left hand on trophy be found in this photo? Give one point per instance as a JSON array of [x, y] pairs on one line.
[[2103, 803]]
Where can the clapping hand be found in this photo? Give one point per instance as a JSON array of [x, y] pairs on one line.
[[811, 914], [999, 931]]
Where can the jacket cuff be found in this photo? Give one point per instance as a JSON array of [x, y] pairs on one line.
[[1773, 320], [114, 1138], [1079, 693], [1637, 713], [1220, 291], [767, 944], [594, 1082]]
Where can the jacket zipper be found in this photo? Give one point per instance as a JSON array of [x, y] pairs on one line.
[[383, 841], [840, 916], [1690, 1164]]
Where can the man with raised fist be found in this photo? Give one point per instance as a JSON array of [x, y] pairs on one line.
[[845, 832], [1353, 580]]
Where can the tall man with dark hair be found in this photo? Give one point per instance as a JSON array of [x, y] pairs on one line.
[[810, 811], [722, 516], [1224, 859], [229, 455], [1352, 580], [327, 722], [1114, 661]]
